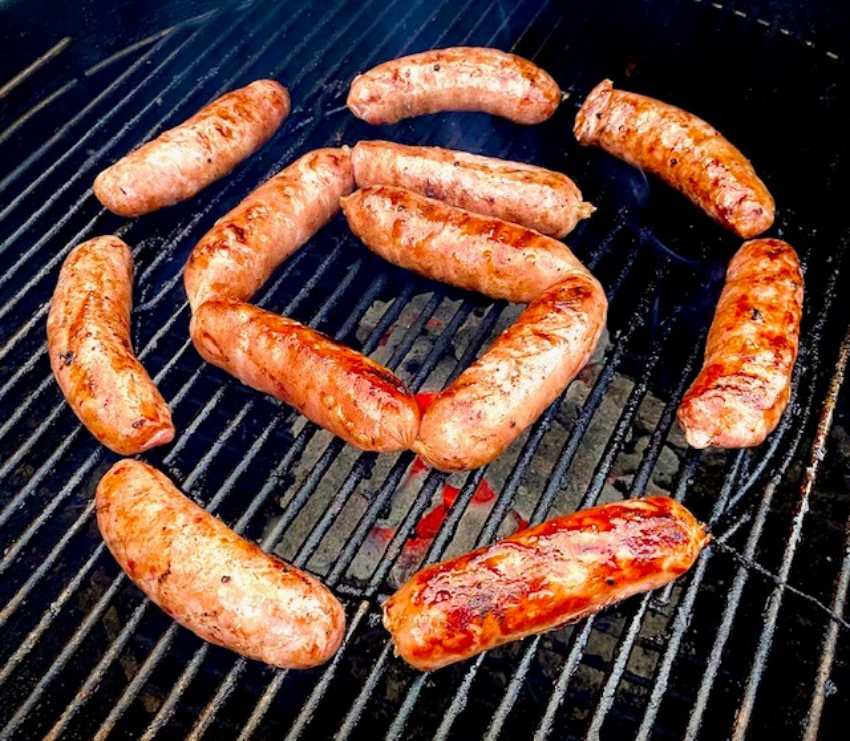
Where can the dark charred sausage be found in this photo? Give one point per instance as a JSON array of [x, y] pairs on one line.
[[340, 389], [184, 160], [683, 150], [88, 341], [540, 579], [479, 253], [543, 200], [462, 78], [744, 385], [209, 579]]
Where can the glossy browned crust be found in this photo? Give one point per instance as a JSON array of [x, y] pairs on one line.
[[489, 405], [479, 253], [462, 78], [241, 251], [744, 385], [543, 200], [184, 160], [541, 578], [682, 149], [209, 579], [88, 341], [340, 389]]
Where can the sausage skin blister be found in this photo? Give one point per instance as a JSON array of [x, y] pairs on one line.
[[479, 253], [543, 200], [460, 78], [490, 404], [540, 579], [336, 387], [745, 382], [220, 586], [244, 247], [184, 160], [88, 341], [683, 150]]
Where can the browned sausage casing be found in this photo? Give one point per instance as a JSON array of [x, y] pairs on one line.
[[682, 149], [489, 405], [541, 578], [88, 340], [743, 388], [479, 253], [540, 199], [209, 579], [242, 250], [462, 78], [184, 160], [340, 389]]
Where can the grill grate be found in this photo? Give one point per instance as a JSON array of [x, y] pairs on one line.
[[85, 655]]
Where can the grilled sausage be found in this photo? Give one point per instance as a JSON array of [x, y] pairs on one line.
[[489, 405], [683, 150], [244, 247], [462, 78], [88, 340], [479, 253], [744, 385], [334, 386], [184, 160], [540, 579], [543, 200], [209, 579]]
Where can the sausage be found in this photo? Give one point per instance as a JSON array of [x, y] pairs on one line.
[[244, 247], [683, 150], [541, 578], [209, 579], [462, 78], [744, 385], [184, 160], [340, 389], [88, 341], [479, 253], [543, 200], [489, 405]]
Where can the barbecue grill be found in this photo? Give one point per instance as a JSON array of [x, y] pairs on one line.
[[754, 639]]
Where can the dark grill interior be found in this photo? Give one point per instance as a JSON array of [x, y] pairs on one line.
[[754, 637]]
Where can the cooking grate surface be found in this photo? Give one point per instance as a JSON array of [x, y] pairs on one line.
[[755, 636]]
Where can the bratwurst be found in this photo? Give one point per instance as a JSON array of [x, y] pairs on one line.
[[479, 253], [745, 382], [336, 387], [461, 78], [88, 341], [543, 200], [683, 150], [489, 405], [540, 579], [184, 160], [209, 579], [241, 251]]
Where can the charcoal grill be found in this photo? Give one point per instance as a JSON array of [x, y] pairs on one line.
[[753, 640]]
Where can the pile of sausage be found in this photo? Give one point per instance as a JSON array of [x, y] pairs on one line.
[[474, 222]]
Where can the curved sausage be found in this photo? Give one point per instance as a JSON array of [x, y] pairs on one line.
[[540, 579], [543, 200], [462, 78], [241, 251], [340, 389], [489, 405], [184, 160], [683, 150], [88, 341], [479, 253], [209, 579], [744, 385]]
